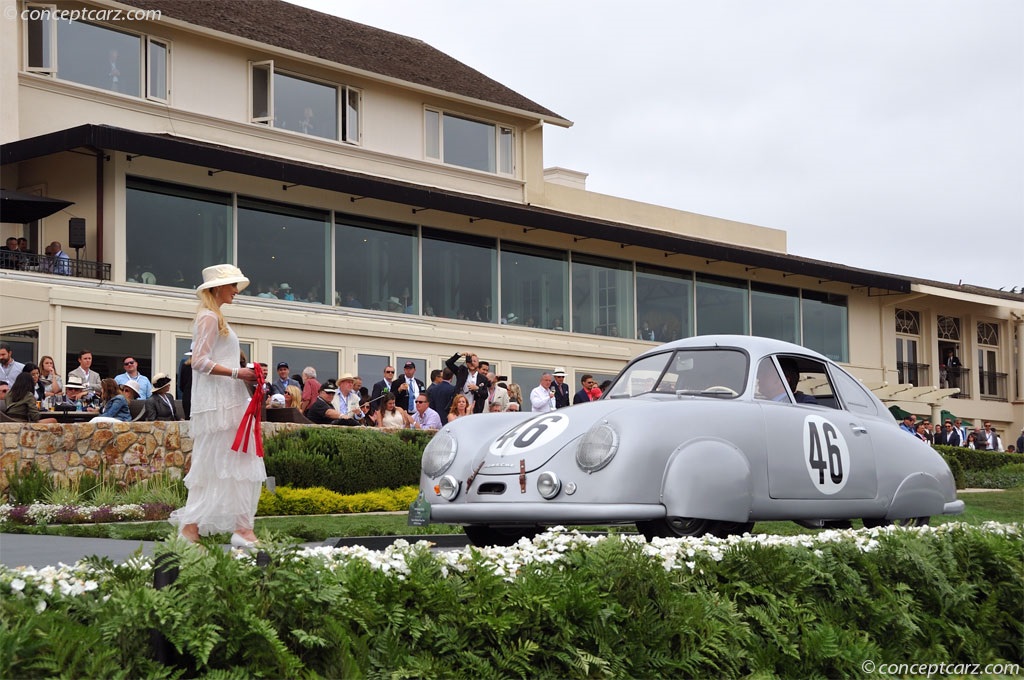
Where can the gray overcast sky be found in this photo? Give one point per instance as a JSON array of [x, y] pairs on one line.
[[883, 134]]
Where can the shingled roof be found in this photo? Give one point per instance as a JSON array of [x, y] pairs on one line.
[[344, 42]]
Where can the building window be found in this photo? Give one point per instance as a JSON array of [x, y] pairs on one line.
[[908, 322], [534, 286], [109, 347], [468, 143], [284, 250], [174, 231], [664, 304], [775, 312], [602, 296], [991, 383], [463, 276], [324, 361], [375, 265], [722, 305], [824, 322], [97, 56], [303, 105], [908, 332]]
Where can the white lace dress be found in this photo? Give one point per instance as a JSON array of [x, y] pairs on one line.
[[223, 485]]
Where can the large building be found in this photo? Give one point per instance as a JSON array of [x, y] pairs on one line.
[[390, 203]]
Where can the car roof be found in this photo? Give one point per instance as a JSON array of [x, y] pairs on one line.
[[755, 346]]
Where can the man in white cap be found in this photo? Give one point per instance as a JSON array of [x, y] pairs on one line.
[[160, 406], [561, 389]]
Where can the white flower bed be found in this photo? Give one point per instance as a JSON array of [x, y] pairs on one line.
[[43, 513], [50, 583]]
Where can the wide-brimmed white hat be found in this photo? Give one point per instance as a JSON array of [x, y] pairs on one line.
[[133, 386], [223, 275]]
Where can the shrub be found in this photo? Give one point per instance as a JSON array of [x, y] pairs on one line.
[[345, 459], [321, 501], [1005, 477], [28, 485], [971, 459]]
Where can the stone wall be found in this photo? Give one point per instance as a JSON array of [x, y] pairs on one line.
[[127, 451]]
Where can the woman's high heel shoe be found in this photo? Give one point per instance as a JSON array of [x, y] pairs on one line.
[[238, 541]]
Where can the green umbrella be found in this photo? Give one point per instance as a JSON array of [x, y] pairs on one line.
[[897, 412], [946, 415]]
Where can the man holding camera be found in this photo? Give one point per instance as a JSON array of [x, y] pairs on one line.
[[469, 379]]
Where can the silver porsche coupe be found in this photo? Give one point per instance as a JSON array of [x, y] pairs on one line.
[[704, 435]]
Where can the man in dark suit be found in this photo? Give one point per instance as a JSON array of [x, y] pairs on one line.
[[469, 379], [949, 435], [283, 380], [407, 387], [952, 365], [587, 391], [382, 387], [561, 389], [441, 392]]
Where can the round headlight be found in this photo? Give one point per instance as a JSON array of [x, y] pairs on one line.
[[448, 487], [439, 454], [597, 448], [548, 485]]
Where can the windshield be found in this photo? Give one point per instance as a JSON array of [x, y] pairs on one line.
[[706, 372]]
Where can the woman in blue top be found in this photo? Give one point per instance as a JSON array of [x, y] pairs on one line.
[[115, 406]]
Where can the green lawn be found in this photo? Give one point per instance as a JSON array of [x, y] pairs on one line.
[[998, 506]]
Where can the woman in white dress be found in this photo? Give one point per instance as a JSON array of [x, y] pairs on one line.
[[223, 485]]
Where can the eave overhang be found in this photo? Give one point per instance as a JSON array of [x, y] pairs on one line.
[[293, 172]]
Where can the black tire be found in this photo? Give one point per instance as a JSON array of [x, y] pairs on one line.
[[726, 529], [837, 524], [674, 527], [484, 536], [904, 522]]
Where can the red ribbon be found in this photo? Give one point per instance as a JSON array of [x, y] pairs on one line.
[[251, 420]]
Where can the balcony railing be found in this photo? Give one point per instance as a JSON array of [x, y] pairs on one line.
[[30, 262], [915, 374], [992, 385], [958, 377]]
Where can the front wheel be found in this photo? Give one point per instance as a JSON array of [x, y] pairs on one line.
[[674, 527], [903, 522], [483, 536]]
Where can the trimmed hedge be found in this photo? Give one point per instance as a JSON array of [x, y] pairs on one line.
[[346, 460]]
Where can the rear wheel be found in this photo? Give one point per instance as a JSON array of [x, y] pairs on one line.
[[725, 529], [482, 535], [903, 522]]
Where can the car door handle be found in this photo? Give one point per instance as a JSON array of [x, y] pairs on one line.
[[858, 429]]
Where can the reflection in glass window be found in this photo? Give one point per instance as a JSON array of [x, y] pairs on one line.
[[156, 84], [283, 250], [39, 38], [825, 324], [173, 232], [664, 300], [99, 57], [375, 265], [534, 286], [324, 361], [722, 305], [371, 368], [305, 106], [602, 296], [460, 276], [775, 312]]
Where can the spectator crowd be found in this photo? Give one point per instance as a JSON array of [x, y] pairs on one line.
[[465, 386]]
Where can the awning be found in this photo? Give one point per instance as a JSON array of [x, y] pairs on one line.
[[898, 413], [216, 157], [19, 208], [946, 415]]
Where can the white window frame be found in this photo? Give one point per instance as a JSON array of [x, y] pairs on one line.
[[166, 44], [268, 119], [342, 92], [51, 27], [505, 167]]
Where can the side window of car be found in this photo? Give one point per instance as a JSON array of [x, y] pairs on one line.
[[770, 385], [808, 379], [854, 395]]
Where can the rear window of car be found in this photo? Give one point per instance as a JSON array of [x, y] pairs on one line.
[[710, 372]]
